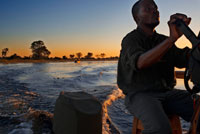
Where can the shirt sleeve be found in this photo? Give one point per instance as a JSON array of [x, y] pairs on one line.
[[181, 56], [131, 50]]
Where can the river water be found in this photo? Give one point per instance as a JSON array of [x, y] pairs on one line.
[[26, 88]]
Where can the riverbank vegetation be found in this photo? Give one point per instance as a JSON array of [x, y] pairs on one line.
[[40, 53]]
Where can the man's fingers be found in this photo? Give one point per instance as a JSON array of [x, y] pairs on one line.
[[174, 16], [171, 21], [179, 16], [183, 17], [188, 21]]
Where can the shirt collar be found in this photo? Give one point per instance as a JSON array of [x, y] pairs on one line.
[[145, 35]]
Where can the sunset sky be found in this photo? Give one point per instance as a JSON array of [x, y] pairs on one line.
[[71, 26]]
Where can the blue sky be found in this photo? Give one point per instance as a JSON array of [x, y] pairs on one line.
[[70, 26]]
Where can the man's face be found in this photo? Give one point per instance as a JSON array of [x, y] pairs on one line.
[[148, 14]]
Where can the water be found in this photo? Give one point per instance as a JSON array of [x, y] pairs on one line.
[[32, 88]]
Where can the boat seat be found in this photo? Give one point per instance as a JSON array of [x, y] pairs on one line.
[[174, 121]]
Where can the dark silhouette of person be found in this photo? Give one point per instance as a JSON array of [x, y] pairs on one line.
[[146, 70]]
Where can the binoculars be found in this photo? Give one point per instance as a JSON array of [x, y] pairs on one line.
[[192, 71]]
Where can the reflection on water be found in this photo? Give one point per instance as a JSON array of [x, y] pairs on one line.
[[28, 93], [180, 84], [35, 87]]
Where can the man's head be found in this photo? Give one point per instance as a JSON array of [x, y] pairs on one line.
[[145, 12]]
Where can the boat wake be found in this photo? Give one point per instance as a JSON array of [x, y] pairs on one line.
[[108, 126]]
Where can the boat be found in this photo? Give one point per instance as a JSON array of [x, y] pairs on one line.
[[77, 61]]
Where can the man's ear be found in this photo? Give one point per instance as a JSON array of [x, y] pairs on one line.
[[137, 19]]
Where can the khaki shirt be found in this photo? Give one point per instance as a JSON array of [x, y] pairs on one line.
[[159, 76]]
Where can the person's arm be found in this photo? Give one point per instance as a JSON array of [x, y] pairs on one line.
[[154, 55]]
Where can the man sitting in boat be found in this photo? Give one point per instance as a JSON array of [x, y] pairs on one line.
[[146, 70]]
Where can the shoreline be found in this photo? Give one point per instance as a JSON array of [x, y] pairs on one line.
[[13, 61]]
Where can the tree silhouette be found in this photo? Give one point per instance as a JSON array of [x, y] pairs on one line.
[[97, 56], [102, 55], [79, 54], [71, 56], [14, 56], [89, 55], [39, 50], [4, 52], [64, 57]]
